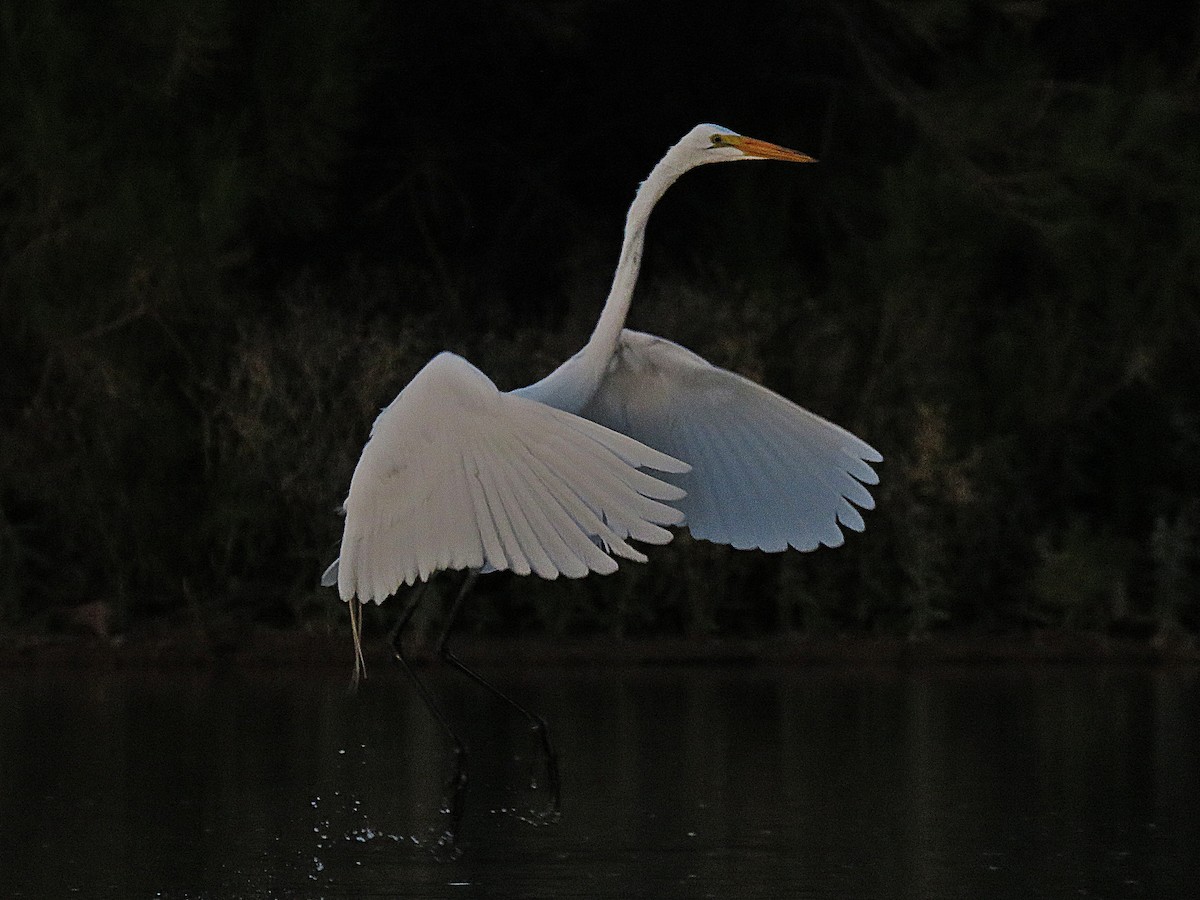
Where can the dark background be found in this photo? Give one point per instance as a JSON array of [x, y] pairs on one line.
[[231, 232]]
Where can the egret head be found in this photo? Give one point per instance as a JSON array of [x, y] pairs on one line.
[[712, 143]]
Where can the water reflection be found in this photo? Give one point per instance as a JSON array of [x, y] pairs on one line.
[[802, 783]]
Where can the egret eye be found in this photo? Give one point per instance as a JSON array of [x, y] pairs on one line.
[[717, 140]]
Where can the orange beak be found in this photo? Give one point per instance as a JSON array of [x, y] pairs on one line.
[[763, 150]]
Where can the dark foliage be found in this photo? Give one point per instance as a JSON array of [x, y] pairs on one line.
[[231, 233]]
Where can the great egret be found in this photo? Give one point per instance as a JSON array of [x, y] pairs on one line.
[[548, 478]]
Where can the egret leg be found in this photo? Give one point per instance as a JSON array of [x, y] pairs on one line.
[[536, 723], [457, 786]]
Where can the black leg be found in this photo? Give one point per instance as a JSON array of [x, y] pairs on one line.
[[457, 786], [536, 722]]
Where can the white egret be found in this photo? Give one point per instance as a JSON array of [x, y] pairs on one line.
[[548, 479]]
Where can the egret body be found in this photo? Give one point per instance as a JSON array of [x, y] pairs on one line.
[[630, 436]]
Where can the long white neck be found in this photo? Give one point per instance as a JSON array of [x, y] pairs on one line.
[[572, 384], [612, 319]]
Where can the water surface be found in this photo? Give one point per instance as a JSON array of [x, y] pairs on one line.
[[802, 782]]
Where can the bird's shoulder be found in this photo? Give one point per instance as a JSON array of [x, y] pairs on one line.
[[642, 354], [647, 378], [447, 382], [450, 375]]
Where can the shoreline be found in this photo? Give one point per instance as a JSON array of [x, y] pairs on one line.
[[272, 648]]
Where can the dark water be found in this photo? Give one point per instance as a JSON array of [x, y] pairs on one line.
[[800, 783]]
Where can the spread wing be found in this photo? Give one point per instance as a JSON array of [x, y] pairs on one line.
[[765, 472], [458, 475]]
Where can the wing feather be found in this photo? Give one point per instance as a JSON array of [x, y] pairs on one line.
[[726, 486], [625, 490], [489, 536], [457, 474], [814, 482], [553, 526], [773, 536], [514, 493], [587, 518], [704, 511], [607, 495], [487, 472], [766, 472]]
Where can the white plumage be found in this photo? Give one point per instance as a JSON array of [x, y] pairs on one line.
[[457, 475], [549, 479], [766, 473]]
